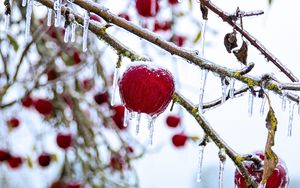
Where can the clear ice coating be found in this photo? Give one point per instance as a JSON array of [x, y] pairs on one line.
[[6, 22], [283, 102], [114, 86], [261, 185], [73, 32], [126, 117], [202, 86], [24, 3], [231, 88], [28, 19], [153, 7], [250, 103], [151, 128], [262, 106], [138, 122], [221, 173], [85, 31], [57, 8], [49, 17], [299, 107], [200, 162], [224, 89], [67, 34], [291, 117], [202, 40]]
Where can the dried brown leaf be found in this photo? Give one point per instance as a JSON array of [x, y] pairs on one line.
[[204, 11], [230, 41], [242, 53]]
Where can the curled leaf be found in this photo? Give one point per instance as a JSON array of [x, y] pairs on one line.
[[230, 41], [198, 37], [204, 11], [242, 53], [271, 159]]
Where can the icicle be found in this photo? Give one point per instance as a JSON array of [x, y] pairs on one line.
[[250, 103], [202, 40], [85, 31], [28, 19], [291, 116], [231, 88], [57, 8], [202, 85], [224, 89], [299, 107], [126, 117], [200, 162], [139, 115], [114, 86], [73, 32], [24, 3], [6, 21], [151, 128], [67, 34], [262, 185], [222, 157], [283, 102], [262, 107], [49, 17], [153, 7]]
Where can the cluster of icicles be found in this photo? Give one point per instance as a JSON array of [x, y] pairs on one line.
[[69, 23]]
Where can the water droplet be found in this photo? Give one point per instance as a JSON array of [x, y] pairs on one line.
[[250, 103], [49, 17], [6, 21], [262, 106], [231, 88], [57, 8], [202, 85], [200, 163], [151, 128], [224, 89], [283, 102], [28, 19], [202, 40], [114, 86], [67, 34], [24, 3], [73, 32], [291, 117], [86, 22], [138, 122]]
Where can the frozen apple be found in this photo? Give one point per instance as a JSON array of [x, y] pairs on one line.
[[147, 8], [179, 140]]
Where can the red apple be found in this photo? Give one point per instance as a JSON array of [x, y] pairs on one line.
[[15, 162], [173, 2], [58, 184], [278, 179], [146, 90], [4, 155], [43, 106], [118, 116], [179, 140], [73, 185], [117, 162], [64, 140], [13, 122], [173, 121], [27, 101], [101, 98], [147, 8], [44, 159]]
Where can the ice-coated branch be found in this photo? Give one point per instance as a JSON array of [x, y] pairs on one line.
[[269, 56], [213, 135], [100, 32]]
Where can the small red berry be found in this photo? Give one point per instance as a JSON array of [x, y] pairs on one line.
[[146, 90], [15, 162], [179, 140], [147, 8], [125, 16], [44, 159], [101, 98], [13, 122], [173, 121], [58, 184], [173, 2], [117, 162], [87, 84], [76, 57], [178, 40], [27, 101], [118, 116], [278, 179], [162, 26], [51, 74], [64, 140], [73, 185], [95, 18], [4, 155], [43, 106]]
